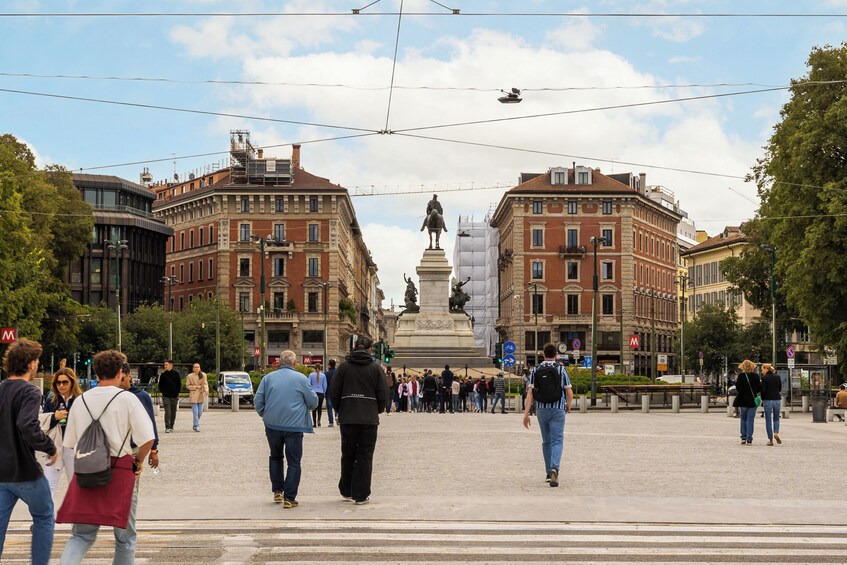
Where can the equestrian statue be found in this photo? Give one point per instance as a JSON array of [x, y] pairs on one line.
[[434, 221], [459, 297]]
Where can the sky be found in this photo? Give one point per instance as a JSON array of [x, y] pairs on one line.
[[329, 76]]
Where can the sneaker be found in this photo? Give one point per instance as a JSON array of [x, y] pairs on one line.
[[347, 498], [554, 478], [776, 435], [547, 480], [361, 502], [168, 430], [330, 425], [278, 497], [287, 503], [743, 442]]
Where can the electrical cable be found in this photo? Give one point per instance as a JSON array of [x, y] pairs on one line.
[[358, 12], [393, 66]]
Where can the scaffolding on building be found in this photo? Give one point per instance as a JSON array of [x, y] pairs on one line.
[[475, 256]]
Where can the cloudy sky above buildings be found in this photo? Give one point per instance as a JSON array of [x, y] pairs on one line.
[[334, 71]]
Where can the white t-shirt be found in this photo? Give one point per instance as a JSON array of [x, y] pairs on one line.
[[125, 414]]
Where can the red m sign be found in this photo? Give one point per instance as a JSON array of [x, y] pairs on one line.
[[8, 335], [633, 341]]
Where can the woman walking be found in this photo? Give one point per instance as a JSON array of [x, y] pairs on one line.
[[318, 382], [772, 400], [64, 390], [198, 392], [748, 386]]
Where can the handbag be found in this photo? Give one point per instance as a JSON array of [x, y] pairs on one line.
[[105, 506], [756, 398]]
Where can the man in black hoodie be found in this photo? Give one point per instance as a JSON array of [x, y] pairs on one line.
[[170, 385], [359, 392]]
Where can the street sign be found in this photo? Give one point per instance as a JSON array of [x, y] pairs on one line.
[[509, 360], [257, 351], [509, 347], [609, 369], [791, 362], [790, 352], [633, 342], [701, 356], [701, 362], [577, 345], [8, 335], [587, 362], [576, 354], [662, 363]]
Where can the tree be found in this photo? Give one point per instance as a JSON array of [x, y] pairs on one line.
[[146, 334], [98, 330], [716, 332], [802, 183], [194, 335]]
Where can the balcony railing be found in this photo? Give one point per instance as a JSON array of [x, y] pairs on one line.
[[572, 250]]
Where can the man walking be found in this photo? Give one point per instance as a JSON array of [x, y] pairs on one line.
[[284, 400], [147, 403], [122, 418], [330, 412], [447, 385], [360, 392], [21, 478], [499, 393], [550, 387], [170, 385]]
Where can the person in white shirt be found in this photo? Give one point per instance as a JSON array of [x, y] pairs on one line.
[[124, 420]]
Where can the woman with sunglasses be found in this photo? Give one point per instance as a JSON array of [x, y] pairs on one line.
[[64, 390]]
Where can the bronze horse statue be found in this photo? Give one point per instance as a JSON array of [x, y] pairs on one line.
[[434, 222]]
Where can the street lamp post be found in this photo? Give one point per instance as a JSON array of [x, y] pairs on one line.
[[118, 246], [535, 311], [595, 287], [325, 286], [683, 283], [263, 242], [170, 281], [772, 249]]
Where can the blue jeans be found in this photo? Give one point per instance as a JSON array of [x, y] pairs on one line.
[[748, 418], [197, 411], [772, 408], [483, 402], [552, 424], [501, 396], [329, 413], [285, 445], [36, 495], [84, 535]]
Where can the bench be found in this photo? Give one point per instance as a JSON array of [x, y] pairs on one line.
[[831, 413]]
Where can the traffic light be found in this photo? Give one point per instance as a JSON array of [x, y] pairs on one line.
[[498, 354], [378, 349], [387, 354]]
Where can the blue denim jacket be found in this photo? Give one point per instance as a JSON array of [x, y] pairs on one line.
[[284, 400]]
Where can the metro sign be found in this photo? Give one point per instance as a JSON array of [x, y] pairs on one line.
[[633, 342], [257, 351], [8, 335]]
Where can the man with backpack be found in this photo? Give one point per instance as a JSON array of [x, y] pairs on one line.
[[550, 387], [120, 417]]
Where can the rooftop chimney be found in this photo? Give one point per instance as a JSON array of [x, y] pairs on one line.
[[295, 156], [642, 183], [261, 153]]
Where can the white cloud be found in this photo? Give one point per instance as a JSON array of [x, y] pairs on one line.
[[577, 34], [675, 29]]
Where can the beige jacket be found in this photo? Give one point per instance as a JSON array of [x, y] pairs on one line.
[[198, 387]]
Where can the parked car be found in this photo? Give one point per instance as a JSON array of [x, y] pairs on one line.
[[234, 383]]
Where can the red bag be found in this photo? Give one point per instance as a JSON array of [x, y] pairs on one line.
[[105, 506]]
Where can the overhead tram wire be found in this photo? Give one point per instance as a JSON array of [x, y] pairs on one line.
[[393, 66], [454, 13]]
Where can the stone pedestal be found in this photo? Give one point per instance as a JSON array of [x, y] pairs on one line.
[[434, 326]]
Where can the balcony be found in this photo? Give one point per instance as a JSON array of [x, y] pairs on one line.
[[570, 319], [291, 317], [572, 251]]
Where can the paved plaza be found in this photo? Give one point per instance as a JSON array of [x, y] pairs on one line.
[[623, 475]]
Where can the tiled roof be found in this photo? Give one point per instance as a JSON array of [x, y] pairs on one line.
[[730, 236], [600, 183]]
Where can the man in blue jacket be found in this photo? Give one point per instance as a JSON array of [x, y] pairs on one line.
[[284, 401]]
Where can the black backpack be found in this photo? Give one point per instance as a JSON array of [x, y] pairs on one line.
[[92, 458], [547, 384]]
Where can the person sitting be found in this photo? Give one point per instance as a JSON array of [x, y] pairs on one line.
[[841, 399]]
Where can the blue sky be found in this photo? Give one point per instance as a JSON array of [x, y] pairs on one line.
[[723, 135]]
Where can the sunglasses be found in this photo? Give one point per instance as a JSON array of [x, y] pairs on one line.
[[63, 382]]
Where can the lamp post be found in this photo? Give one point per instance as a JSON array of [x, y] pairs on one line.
[[521, 337], [118, 246], [170, 281], [772, 249], [263, 242], [325, 286], [535, 311], [683, 283], [595, 287]]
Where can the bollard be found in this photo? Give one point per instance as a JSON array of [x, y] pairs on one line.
[[704, 404], [675, 404], [234, 401], [614, 404], [156, 410], [583, 404], [645, 403], [805, 406], [730, 411]]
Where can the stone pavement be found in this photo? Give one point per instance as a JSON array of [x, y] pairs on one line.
[[636, 470]]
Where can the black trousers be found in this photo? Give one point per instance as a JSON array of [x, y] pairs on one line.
[[358, 442]]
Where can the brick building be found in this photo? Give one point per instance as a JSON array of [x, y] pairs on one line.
[[313, 251], [546, 266]]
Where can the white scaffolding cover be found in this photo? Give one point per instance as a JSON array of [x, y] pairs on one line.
[[475, 256]]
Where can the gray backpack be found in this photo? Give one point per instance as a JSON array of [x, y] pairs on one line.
[[92, 459]]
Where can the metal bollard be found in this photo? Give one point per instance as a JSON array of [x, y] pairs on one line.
[[805, 406], [675, 404], [234, 401], [704, 404], [614, 404], [645, 403], [583, 404]]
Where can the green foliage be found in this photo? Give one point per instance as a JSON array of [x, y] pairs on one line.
[[194, 335], [291, 306], [346, 307], [145, 336], [98, 330], [716, 332], [581, 380], [802, 182]]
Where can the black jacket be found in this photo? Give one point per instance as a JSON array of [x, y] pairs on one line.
[[771, 387], [58, 404], [20, 432], [746, 393], [170, 384], [430, 384], [359, 390]]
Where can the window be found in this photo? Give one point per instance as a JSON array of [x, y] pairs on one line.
[[313, 204], [181, 273], [96, 267], [537, 270], [582, 177], [313, 336], [573, 270], [211, 269], [244, 267], [537, 207], [573, 237], [191, 272], [243, 301], [607, 271], [609, 237], [279, 205], [279, 266], [573, 304], [537, 237], [278, 336], [698, 270], [173, 270], [313, 302], [607, 207], [245, 203], [200, 270], [608, 304], [181, 304], [202, 233], [559, 177], [279, 232], [181, 240], [313, 266], [279, 303], [244, 232], [313, 232], [537, 303], [96, 239], [573, 207], [191, 239]]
